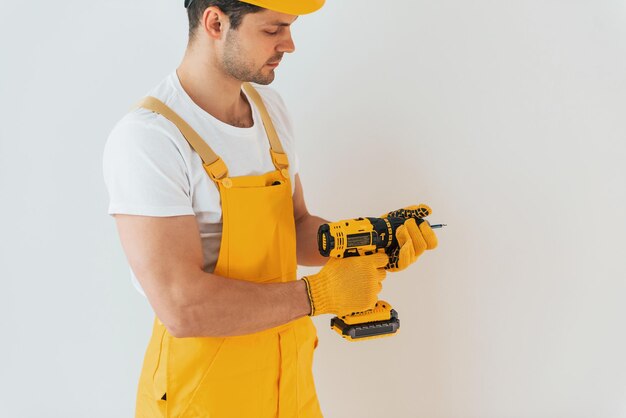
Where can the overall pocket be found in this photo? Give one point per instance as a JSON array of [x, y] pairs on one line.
[[190, 377], [241, 381]]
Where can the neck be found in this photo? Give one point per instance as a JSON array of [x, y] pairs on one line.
[[213, 90]]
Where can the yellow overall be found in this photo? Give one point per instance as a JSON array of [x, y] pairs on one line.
[[267, 374]]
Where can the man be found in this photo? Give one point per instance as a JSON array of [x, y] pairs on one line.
[[211, 215]]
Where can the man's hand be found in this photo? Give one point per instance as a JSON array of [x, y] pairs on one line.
[[414, 237], [346, 285]]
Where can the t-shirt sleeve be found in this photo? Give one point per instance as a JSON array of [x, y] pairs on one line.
[[144, 172]]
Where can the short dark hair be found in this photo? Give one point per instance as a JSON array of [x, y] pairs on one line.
[[234, 9]]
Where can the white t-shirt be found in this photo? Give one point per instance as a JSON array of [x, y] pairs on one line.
[[150, 169]]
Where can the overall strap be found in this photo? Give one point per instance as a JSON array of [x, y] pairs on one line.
[[279, 158], [213, 164]]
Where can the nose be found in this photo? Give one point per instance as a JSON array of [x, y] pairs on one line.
[[286, 45]]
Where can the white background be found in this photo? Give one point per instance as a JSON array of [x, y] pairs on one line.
[[507, 117]]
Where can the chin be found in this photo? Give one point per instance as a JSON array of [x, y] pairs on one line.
[[263, 79]]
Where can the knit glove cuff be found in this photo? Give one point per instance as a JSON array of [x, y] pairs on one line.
[[320, 295]]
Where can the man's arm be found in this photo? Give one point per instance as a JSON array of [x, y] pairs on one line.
[[165, 254], [306, 230]]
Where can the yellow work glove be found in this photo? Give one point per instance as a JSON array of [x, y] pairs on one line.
[[414, 237], [346, 285]]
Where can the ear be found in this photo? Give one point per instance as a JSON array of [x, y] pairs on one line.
[[214, 22]]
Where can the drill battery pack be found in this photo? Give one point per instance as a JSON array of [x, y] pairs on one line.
[[381, 321]]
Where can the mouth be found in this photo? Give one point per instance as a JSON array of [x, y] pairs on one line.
[[273, 64]]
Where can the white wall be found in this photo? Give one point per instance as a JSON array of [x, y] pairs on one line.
[[507, 117]]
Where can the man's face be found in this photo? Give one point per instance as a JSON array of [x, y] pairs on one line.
[[254, 49]]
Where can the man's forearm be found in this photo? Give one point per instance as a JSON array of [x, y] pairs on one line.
[[207, 305], [306, 237], [215, 306]]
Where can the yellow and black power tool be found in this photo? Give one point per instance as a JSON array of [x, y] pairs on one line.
[[365, 236]]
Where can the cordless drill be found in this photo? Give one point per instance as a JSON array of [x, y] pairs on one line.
[[366, 236]]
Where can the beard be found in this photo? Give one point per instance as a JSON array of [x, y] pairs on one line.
[[235, 65]]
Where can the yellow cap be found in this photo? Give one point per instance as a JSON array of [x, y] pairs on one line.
[[290, 7]]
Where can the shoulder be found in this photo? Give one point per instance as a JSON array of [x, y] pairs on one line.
[[141, 123], [142, 128], [142, 148], [142, 155]]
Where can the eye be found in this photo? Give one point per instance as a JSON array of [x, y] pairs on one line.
[[271, 33]]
